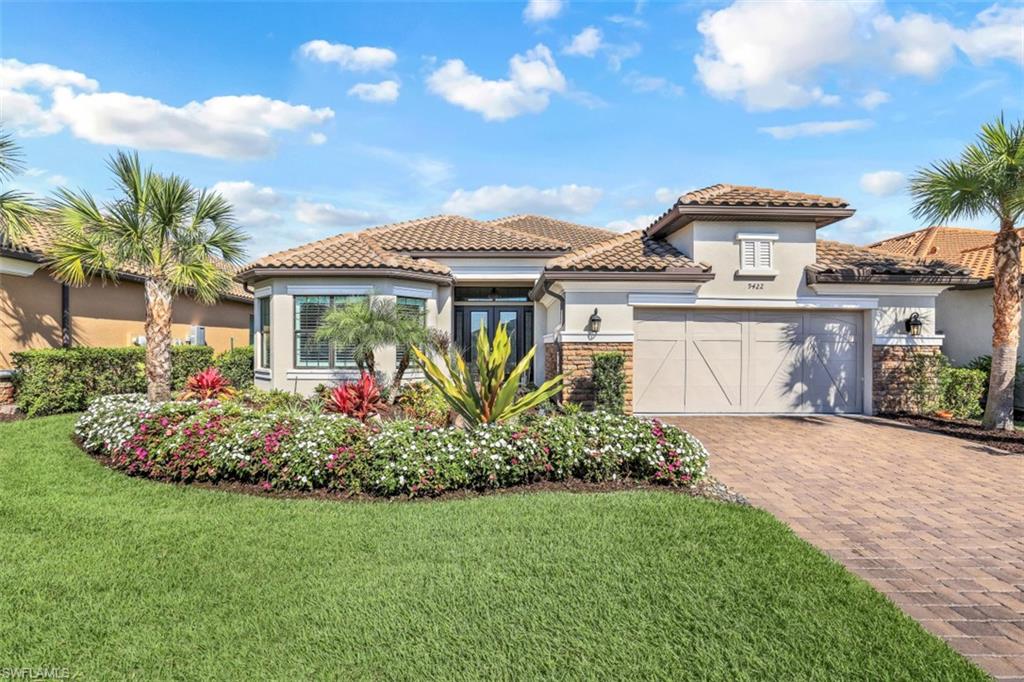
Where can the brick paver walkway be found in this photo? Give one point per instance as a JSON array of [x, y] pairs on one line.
[[935, 523]]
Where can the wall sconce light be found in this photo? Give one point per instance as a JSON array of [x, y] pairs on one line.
[[914, 324], [594, 325]]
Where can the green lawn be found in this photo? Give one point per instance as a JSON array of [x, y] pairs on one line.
[[115, 577]]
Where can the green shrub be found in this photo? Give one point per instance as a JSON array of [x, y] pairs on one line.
[[57, 380], [423, 402], [609, 379], [280, 450], [962, 390], [236, 365], [938, 386]]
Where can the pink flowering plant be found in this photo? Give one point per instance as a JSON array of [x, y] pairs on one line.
[[283, 448]]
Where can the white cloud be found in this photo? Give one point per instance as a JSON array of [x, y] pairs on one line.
[[426, 170], [872, 99], [317, 138], [767, 55], [637, 223], [35, 172], [883, 183], [347, 57], [576, 199], [586, 43], [996, 34], [774, 55], [532, 78], [226, 127], [816, 128], [326, 214], [16, 75], [627, 21], [920, 45], [641, 83], [860, 229], [542, 10], [385, 91], [254, 206], [57, 179]]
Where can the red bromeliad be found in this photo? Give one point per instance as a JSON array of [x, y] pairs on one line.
[[207, 385], [360, 399]]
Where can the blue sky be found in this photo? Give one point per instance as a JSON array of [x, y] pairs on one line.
[[320, 118]]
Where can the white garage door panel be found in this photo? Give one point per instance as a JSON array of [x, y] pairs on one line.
[[747, 361]]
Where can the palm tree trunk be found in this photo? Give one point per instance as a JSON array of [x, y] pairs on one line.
[[1005, 329], [158, 340], [396, 381]]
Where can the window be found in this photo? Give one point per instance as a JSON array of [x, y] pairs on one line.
[[264, 327], [756, 252], [310, 353], [489, 294], [414, 308]]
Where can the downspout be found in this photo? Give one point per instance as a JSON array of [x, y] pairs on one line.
[[65, 316], [561, 318]]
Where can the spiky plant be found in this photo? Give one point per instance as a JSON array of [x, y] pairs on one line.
[[17, 208]]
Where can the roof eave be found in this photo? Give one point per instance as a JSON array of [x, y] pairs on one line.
[[677, 275], [486, 253], [857, 277], [253, 274], [682, 215]]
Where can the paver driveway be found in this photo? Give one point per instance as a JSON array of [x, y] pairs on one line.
[[936, 523]]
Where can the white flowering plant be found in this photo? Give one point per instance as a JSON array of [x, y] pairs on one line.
[[290, 449]]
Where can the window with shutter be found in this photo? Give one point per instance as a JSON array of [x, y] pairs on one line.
[[310, 353], [756, 253], [413, 308]]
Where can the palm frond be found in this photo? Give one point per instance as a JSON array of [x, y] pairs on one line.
[[17, 211], [12, 160]]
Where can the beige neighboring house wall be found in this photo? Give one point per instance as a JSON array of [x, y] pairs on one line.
[[109, 316]]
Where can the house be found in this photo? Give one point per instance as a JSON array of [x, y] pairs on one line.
[[727, 303], [37, 311], [963, 313]]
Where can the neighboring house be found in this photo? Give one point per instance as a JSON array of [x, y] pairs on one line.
[[36, 311], [963, 313], [727, 303]]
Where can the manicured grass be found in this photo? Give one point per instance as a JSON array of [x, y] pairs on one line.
[[115, 577]]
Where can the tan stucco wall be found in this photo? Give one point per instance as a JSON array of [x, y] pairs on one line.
[[111, 315]]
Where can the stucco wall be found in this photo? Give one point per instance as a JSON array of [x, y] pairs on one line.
[[111, 315], [966, 318], [715, 244]]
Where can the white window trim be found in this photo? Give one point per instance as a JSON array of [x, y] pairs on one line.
[[351, 290], [413, 292], [258, 335]]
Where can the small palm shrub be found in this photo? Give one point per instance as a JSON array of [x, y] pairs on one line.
[[208, 384], [495, 397], [360, 399]]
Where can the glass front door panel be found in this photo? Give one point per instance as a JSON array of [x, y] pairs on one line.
[[478, 319], [518, 320]]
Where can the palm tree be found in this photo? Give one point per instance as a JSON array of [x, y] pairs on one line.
[[367, 325], [16, 208], [179, 239], [987, 180]]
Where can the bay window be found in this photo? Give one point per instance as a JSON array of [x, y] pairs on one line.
[[310, 353]]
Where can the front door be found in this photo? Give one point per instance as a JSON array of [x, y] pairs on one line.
[[518, 321]]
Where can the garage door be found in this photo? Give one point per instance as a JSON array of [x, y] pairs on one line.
[[747, 361]]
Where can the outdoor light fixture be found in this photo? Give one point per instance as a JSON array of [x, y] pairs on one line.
[[595, 323], [914, 324]]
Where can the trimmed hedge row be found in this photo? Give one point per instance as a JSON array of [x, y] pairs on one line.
[[57, 380], [304, 450]]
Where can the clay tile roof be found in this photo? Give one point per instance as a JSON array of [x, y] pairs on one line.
[[937, 241], [629, 252], [845, 261], [356, 250], [37, 242], [743, 195], [577, 236], [455, 233]]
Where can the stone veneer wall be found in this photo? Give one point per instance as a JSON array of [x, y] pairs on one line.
[[892, 378], [6, 392], [578, 367]]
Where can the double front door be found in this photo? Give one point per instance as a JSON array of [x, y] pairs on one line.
[[518, 321]]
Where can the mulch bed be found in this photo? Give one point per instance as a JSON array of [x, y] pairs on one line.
[[708, 488], [1010, 441]]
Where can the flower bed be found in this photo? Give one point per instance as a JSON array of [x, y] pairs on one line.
[[289, 449]]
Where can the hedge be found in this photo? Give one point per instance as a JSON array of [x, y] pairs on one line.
[[236, 365], [610, 381], [57, 380]]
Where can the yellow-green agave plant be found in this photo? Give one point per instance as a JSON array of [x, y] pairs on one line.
[[493, 397]]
